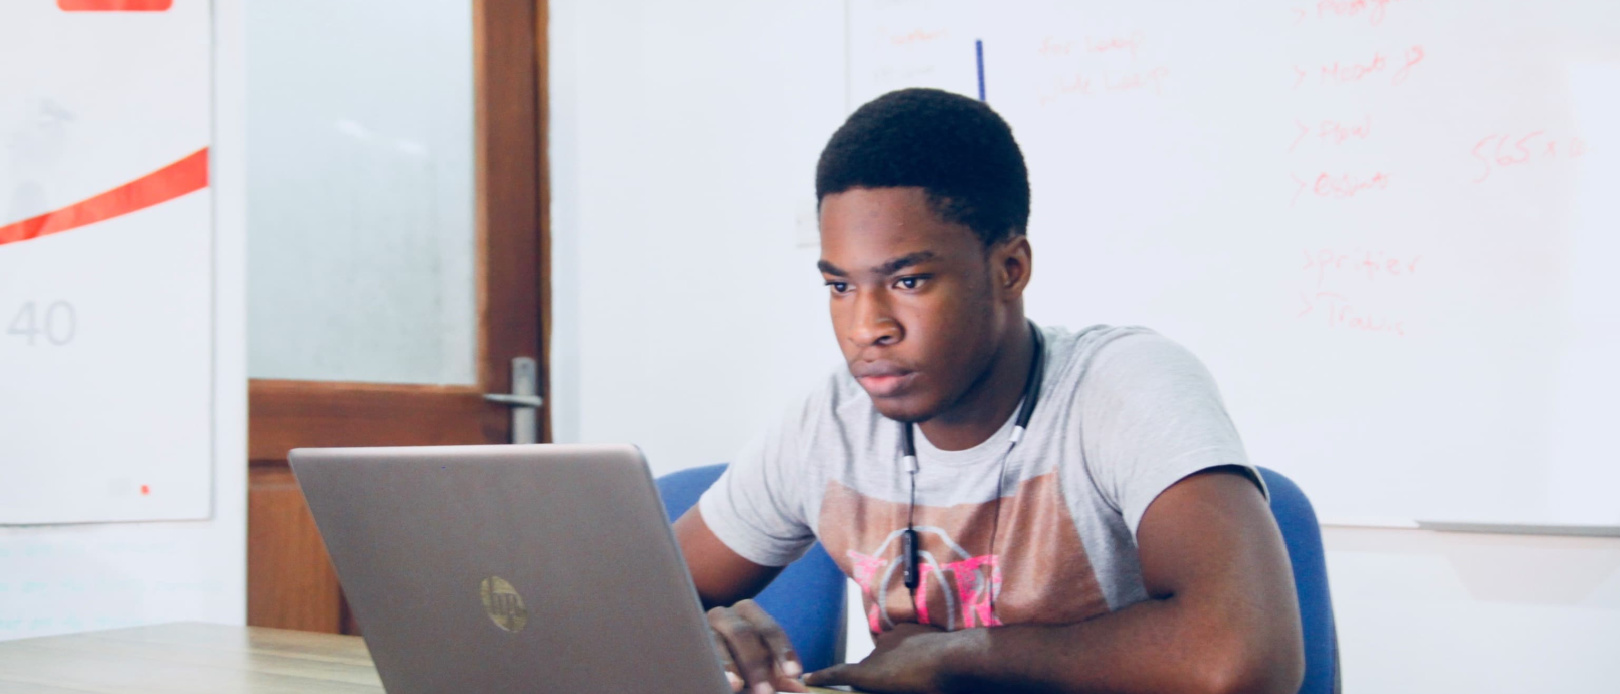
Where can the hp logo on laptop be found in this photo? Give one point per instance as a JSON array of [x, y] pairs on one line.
[[503, 604]]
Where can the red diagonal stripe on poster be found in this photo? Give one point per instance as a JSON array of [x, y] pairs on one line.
[[187, 175], [114, 5]]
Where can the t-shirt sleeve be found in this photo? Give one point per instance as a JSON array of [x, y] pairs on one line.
[[1150, 416], [757, 507]]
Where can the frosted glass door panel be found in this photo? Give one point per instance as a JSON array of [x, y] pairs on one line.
[[361, 223]]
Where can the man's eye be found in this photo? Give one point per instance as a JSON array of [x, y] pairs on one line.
[[838, 287], [909, 282]]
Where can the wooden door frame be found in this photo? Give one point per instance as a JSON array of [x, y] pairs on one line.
[[290, 580]]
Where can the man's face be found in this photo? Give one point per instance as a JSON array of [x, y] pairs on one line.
[[913, 303]]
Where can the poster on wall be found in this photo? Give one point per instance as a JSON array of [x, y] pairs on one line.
[[106, 261]]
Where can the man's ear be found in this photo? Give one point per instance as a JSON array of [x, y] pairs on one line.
[[1011, 263]]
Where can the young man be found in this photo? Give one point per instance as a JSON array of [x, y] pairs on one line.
[[1122, 543]]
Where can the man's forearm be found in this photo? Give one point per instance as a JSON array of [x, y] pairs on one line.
[[1157, 646]]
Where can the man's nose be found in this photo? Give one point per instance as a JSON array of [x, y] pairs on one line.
[[874, 324]]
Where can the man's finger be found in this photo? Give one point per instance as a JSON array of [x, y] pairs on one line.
[[781, 646], [752, 657], [850, 674], [724, 653]]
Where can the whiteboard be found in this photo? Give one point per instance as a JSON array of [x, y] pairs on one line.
[[105, 263], [1386, 226]]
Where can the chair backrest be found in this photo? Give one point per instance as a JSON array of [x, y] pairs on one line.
[[807, 598], [1297, 520]]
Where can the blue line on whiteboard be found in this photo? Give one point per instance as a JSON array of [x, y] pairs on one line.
[[978, 50]]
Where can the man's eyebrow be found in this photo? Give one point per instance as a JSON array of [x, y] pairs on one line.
[[887, 268], [894, 265]]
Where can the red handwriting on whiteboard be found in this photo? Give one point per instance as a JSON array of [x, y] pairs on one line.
[[1332, 132], [1341, 186], [1374, 10], [1078, 84], [1054, 47], [1500, 150], [1372, 265], [1106, 83], [1152, 79], [916, 36], [1339, 312], [1413, 56], [1115, 43], [1399, 66], [1342, 73]]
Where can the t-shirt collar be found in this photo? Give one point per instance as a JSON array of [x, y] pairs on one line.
[[987, 452]]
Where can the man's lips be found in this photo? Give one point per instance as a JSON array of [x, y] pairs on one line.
[[883, 380]]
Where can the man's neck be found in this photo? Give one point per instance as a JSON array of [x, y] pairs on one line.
[[991, 401]]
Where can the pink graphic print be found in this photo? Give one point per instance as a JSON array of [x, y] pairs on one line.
[[1039, 574], [978, 580], [866, 569], [975, 581]]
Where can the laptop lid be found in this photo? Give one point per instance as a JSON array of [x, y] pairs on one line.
[[537, 568]]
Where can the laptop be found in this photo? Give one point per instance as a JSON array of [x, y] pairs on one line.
[[513, 568]]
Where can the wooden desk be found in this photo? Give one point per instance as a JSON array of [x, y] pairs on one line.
[[187, 658]]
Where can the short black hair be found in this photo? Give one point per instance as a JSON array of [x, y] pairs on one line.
[[953, 147]]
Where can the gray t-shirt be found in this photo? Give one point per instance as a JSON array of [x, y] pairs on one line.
[[1123, 414]]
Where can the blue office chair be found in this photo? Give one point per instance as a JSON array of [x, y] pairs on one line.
[[807, 598], [1300, 532]]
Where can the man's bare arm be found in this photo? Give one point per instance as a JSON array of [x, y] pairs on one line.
[[722, 576], [754, 650], [1222, 617]]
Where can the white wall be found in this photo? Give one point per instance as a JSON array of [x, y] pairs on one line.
[[58, 579], [685, 316], [683, 144]]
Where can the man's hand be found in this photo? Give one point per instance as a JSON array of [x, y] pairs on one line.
[[754, 650], [906, 659]]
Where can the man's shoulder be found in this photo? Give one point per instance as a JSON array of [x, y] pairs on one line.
[[1072, 352], [1119, 359]]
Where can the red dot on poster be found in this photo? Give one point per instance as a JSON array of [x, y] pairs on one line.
[[145, 490]]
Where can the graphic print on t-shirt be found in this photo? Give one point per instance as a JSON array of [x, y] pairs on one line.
[[1038, 572]]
